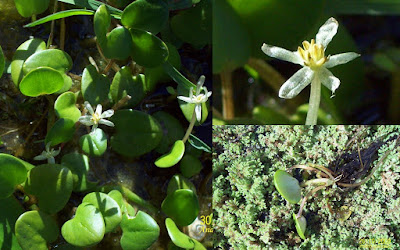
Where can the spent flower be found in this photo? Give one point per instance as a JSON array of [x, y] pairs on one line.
[[96, 118], [48, 154]]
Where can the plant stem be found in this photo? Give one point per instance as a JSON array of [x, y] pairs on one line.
[[228, 108], [315, 97], [303, 202], [190, 128]]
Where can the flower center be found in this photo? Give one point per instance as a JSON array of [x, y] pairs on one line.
[[199, 98], [313, 54], [95, 118]]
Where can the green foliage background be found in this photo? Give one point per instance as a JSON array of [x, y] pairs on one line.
[[250, 214]]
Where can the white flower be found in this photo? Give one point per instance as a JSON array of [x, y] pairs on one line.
[[48, 154], [312, 58], [199, 98], [96, 118]]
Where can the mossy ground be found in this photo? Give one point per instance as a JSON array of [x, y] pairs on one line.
[[250, 214]]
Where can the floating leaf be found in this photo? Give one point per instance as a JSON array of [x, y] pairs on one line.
[[67, 84], [179, 182], [29, 8], [172, 130], [79, 166], [10, 210], [173, 157], [117, 196], [86, 228], [52, 58], [95, 86], [94, 143], [190, 166], [34, 229], [65, 107], [132, 129], [149, 15], [41, 81], [108, 207], [300, 224], [62, 131], [52, 184], [125, 84], [182, 206], [12, 173], [287, 186], [139, 232], [178, 238]]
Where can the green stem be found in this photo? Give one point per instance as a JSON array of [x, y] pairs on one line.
[[190, 128], [303, 202], [315, 97]]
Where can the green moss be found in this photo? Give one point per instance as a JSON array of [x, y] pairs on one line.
[[250, 214]]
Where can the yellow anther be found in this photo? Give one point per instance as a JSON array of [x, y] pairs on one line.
[[313, 54]]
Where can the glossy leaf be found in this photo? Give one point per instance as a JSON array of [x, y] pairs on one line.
[[10, 210], [125, 84], [86, 228], [182, 206], [35, 229], [117, 196], [79, 166], [177, 76], [67, 84], [148, 50], [59, 15], [173, 157], [139, 232], [179, 182], [190, 165], [29, 8], [12, 173], [172, 130], [52, 58], [94, 143], [149, 15], [178, 238], [94, 86], [41, 81], [2, 61], [287, 186], [108, 207], [94, 5], [65, 107], [133, 128], [52, 184], [300, 224], [62, 131], [199, 144], [23, 52]]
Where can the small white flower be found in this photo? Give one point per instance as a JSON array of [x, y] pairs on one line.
[[96, 118], [312, 58], [199, 98], [48, 154]]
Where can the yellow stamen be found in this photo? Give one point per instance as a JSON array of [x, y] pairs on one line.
[[313, 54]]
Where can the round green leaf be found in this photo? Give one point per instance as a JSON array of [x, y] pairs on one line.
[[300, 224], [62, 131], [125, 84], [67, 84], [23, 52], [117, 196], [41, 81], [34, 229], [65, 107], [182, 206], [79, 166], [139, 232], [52, 184], [178, 238], [86, 228], [137, 133], [10, 210], [148, 50], [179, 182], [173, 157], [287, 186], [190, 166], [95, 86], [108, 207], [52, 58], [172, 130], [188, 108], [149, 15], [12, 173], [94, 143], [2, 61], [194, 24], [32, 7]]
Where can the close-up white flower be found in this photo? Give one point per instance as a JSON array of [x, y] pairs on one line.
[[199, 98], [48, 154], [315, 68], [96, 118]]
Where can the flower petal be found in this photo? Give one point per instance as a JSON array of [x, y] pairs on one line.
[[88, 107], [185, 99], [327, 32], [281, 54], [40, 158], [86, 120], [197, 109], [295, 84], [107, 113], [106, 122], [340, 59], [99, 108], [328, 79]]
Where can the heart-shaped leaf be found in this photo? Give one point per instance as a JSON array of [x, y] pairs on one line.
[[86, 228], [94, 143], [23, 52], [125, 84], [171, 128], [139, 232], [148, 50], [29, 8], [79, 166], [301, 225], [52, 58], [178, 238], [117, 196], [132, 129], [62, 131], [182, 206], [173, 157], [95, 86], [52, 184], [10, 210], [41, 81], [108, 207], [179, 182], [65, 107], [149, 15], [190, 165], [12, 173], [34, 229], [287, 186]]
